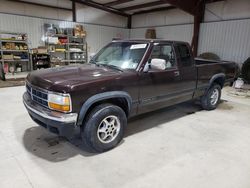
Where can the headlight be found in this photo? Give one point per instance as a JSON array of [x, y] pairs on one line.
[[59, 102]]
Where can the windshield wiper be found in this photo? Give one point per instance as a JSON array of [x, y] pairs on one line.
[[92, 61], [111, 66]]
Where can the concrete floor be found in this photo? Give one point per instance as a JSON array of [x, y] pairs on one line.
[[178, 147]]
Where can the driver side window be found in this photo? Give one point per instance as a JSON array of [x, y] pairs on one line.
[[163, 55]]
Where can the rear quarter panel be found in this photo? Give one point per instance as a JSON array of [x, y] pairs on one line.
[[205, 71]]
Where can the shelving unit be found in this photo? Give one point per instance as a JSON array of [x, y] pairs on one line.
[[14, 51], [66, 49]]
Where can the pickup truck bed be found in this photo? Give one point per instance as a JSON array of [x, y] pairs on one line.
[[206, 69]]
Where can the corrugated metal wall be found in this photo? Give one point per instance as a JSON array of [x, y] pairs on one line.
[[177, 32], [97, 36], [161, 18], [229, 39]]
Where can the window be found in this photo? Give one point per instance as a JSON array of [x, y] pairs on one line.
[[185, 56], [164, 53]]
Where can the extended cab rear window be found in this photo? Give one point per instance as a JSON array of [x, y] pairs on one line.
[[185, 56]]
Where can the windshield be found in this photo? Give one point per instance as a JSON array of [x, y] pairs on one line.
[[123, 55]]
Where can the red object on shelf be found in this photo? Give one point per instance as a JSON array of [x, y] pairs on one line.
[[63, 41], [6, 68]]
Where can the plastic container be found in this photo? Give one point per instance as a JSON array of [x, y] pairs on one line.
[[238, 84]]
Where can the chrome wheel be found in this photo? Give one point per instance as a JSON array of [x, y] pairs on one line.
[[214, 96], [108, 129]]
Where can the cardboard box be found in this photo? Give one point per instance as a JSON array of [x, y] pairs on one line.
[[150, 34], [34, 50], [42, 50], [79, 31], [8, 57], [10, 46]]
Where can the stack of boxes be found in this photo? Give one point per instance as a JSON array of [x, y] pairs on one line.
[[79, 31]]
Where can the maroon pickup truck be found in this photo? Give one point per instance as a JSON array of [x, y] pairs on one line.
[[124, 79]]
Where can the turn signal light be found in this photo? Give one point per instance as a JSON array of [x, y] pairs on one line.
[[64, 108]]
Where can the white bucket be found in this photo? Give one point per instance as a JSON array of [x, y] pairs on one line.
[[238, 84]]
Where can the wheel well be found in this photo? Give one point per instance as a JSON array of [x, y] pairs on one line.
[[220, 81], [120, 101]]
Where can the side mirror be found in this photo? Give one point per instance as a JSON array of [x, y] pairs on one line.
[[158, 64]]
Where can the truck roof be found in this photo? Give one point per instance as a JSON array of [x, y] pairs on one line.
[[147, 40]]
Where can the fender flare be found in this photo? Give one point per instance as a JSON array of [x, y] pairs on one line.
[[100, 97], [216, 76]]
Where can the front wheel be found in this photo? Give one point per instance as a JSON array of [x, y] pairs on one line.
[[212, 97], [104, 127]]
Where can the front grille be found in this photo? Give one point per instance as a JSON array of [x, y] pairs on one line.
[[37, 95]]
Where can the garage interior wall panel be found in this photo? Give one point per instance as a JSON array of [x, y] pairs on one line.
[[161, 18], [177, 32], [88, 14], [225, 31], [229, 39], [97, 36], [38, 11], [84, 14]]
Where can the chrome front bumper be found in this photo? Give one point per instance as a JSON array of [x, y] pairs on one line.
[[56, 122], [46, 113]]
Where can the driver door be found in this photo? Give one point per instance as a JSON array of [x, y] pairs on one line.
[[159, 85]]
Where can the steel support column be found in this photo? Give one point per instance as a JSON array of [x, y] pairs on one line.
[[198, 18]]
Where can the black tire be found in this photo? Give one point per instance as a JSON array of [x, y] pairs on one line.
[[2, 74], [209, 103], [245, 71], [95, 119]]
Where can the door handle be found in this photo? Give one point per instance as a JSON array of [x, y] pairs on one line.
[[176, 73]]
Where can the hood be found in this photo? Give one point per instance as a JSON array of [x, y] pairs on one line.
[[67, 77]]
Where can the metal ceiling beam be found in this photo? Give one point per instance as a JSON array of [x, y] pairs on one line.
[[129, 22], [188, 6], [168, 8], [155, 10], [102, 7], [117, 2], [74, 11], [213, 1], [42, 5], [145, 5], [198, 18]]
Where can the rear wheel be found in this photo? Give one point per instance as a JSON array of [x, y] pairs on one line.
[[104, 127], [212, 97]]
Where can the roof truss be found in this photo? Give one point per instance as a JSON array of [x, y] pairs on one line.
[[117, 2]]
